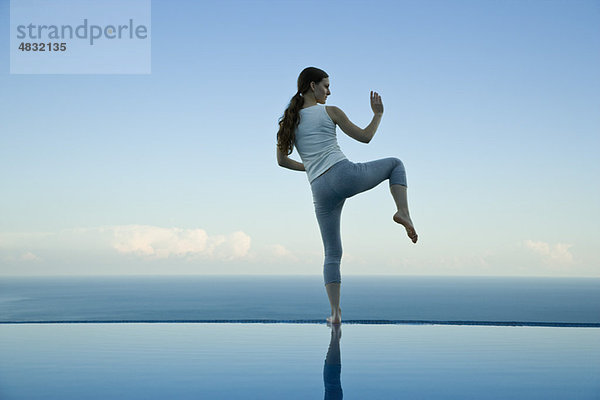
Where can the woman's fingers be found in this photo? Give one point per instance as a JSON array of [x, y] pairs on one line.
[[376, 103], [375, 97]]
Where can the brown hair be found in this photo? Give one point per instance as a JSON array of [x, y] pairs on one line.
[[291, 116]]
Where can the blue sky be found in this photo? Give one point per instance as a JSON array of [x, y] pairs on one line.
[[492, 106]]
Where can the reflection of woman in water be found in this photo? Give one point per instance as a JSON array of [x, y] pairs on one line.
[[310, 127], [332, 369]]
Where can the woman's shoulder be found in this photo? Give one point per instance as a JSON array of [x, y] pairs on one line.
[[333, 112]]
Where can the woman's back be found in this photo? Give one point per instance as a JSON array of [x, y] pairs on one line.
[[316, 141]]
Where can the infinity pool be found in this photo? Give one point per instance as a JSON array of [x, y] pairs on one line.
[[297, 361]]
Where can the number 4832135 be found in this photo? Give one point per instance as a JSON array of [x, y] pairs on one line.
[[43, 46]]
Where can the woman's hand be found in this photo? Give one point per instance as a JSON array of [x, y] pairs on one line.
[[376, 104]]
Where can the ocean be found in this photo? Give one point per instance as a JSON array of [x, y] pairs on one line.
[[300, 298]]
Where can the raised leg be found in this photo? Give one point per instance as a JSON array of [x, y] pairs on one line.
[[365, 176], [402, 216]]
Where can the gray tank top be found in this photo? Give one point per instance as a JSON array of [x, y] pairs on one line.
[[316, 141]]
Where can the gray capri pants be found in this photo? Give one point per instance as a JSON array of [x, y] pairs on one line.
[[331, 189]]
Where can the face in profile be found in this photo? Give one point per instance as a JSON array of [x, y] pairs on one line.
[[321, 90]]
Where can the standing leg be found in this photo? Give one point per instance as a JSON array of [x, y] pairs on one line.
[[333, 293], [329, 223]]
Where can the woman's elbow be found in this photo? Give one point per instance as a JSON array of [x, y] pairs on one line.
[[367, 136], [280, 157], [281, 160], [362, 136]]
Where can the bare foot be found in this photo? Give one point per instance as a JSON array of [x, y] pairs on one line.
[[335, 318], [405, 220]]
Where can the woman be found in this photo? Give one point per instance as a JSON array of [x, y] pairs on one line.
[[310, 127]]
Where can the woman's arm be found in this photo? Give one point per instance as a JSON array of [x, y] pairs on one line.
[[362, 135], [284, 161]]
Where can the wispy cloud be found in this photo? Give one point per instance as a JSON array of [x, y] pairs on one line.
[[24, 257], [556, 254], [144, 241], [29, 256], [278, 253]]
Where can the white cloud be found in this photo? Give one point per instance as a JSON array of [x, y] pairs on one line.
[[230, 247], [279, 250], [145, 241], [153, 241], [278, 254], [157, 242], [555, 254], [272, 253], [29, 256], [24, 257]]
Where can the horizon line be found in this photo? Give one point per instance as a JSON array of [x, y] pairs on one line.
[[318, 321], [289, 275]]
